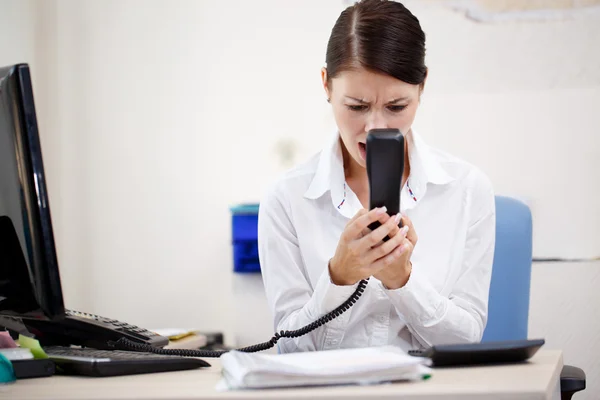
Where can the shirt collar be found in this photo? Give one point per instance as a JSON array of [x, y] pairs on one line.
[[424, 166], [330, 170], [329, 176]]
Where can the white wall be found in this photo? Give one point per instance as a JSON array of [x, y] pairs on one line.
[[563, 310], [17, 18], [166, 115], [520, 100], [156, 118]]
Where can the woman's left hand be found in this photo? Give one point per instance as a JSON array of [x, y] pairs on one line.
[[396, 275]]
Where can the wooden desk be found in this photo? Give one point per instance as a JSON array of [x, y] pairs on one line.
[[536, 379]]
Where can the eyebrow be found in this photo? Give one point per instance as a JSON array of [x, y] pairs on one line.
[[399, 99]]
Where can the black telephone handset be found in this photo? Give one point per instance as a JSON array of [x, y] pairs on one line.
[[385, 166]]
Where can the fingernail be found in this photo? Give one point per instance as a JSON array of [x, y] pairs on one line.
[[397, 218], [382, 210], [405, 229], [401, 249]]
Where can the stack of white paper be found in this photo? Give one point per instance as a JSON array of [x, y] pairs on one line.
[[347, 366]]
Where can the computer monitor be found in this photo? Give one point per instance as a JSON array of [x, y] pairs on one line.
[[29, 277]]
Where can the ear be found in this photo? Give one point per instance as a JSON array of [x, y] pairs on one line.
[[325, 80]]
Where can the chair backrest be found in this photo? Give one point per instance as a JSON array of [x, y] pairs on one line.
[[508, 308]]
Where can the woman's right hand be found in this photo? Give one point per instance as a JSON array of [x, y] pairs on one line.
[[360, 252]]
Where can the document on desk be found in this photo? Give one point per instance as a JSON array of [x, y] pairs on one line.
[[332, 367]]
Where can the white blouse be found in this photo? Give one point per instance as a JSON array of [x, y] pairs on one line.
[[451, 205]]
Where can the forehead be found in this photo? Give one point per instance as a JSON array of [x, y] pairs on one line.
[[362, 83]]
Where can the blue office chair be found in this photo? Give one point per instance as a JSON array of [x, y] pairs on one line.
[[508, 308]]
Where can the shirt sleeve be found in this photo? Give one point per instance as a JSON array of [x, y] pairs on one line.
[[460, 317], [291, 297]]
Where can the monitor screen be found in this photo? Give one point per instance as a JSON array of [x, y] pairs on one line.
[[29, 276]]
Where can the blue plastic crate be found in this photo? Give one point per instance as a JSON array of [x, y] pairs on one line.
[[244, 233]]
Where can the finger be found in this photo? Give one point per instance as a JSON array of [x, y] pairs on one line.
[[412, 233], [385, 261], [375, 237], [406, 247], [394, 231], [364, 221], [359, 214], [364, 232], [382, 220], [387, 247], [347, 235]]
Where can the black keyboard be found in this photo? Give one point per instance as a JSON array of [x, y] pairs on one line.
[[93, 362]]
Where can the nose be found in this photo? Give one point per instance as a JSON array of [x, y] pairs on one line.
[[375, 120]]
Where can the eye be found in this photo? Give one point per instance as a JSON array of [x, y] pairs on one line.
[[396, 109], [357, 108]]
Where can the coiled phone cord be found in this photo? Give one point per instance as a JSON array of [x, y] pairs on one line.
[[127, 344]]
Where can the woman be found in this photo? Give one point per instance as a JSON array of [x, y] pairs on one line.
[[429, 283]]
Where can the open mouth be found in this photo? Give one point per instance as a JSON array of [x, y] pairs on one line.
[[362, 149]]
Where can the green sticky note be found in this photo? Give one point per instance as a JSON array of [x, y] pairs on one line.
[[32, 345]]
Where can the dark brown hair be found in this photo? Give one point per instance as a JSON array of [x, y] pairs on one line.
[[381, 36]]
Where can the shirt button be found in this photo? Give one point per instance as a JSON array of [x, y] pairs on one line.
[[381, 318]]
